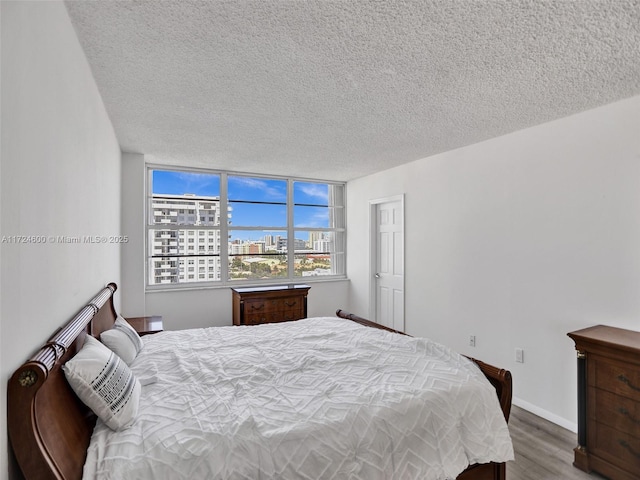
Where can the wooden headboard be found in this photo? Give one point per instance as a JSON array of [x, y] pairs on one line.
[[49, 427]]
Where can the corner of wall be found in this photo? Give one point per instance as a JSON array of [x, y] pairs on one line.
[[133, 178]]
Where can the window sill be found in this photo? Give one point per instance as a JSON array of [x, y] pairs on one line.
[[205, 286]]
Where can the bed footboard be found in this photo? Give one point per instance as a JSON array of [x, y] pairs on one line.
[[499, 377], [501, 381]]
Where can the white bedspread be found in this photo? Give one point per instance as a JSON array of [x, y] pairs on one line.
[[321, 398]]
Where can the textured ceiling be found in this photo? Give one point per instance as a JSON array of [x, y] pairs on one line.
[[339, 89]]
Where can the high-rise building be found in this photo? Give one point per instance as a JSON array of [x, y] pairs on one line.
[[184, 254], [269, 242], [321, 245], [314, 237], [297, 244]]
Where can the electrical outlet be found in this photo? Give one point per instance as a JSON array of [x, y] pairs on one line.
[[519, 355], [472, 340]]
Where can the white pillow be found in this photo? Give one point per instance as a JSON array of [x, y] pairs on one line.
[[123, 340], [104, 383]]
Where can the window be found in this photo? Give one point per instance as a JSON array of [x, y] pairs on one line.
[[274, 229], [319, 229]]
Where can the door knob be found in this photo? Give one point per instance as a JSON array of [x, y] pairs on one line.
[[377, 275]]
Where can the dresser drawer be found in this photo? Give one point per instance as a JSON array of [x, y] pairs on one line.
[[615, 446], [616, 377], [292, 314], [291, 303], [616, 411], [256, 318], [259, 306], [274, 305]]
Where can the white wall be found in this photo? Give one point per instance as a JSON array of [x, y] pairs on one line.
[[193, 308], [518, 240], [60, 175], [133, 226]]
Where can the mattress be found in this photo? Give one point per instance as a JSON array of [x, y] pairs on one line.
[[319, 398]]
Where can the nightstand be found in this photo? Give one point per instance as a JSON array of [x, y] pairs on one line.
[[146, 325]]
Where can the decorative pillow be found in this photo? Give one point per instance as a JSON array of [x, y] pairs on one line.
[[104, 383], [123, 340]]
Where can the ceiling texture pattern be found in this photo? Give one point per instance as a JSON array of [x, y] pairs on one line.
[[339, 89]]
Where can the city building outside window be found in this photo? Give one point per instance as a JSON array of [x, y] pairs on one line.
[[274, 229]]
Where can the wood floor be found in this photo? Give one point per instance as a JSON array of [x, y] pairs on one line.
[[543, 450]]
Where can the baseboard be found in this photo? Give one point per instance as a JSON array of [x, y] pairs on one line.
[[552, 417]]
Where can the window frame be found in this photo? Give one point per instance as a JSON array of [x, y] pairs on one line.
[[224, 228]]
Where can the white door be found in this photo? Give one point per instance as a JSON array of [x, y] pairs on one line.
[[388, 262]]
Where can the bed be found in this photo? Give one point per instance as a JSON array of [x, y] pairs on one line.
[[276, 431]]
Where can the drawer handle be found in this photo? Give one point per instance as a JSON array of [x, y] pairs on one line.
[[260, 307], [290, 304], [625, 444], [626, 381], [627, 413]]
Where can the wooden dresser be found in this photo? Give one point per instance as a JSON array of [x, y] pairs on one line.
[[252, 306], [608, 402]]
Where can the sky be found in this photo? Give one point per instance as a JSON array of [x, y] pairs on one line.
[[273, 215]]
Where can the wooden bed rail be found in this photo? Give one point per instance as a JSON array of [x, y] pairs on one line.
[[60, 342], [363, 321]]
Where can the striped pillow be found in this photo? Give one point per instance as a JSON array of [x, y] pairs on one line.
[[123, 340], [104, 383]]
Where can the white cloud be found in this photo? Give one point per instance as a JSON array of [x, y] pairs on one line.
[[196, 182], [315, 190], [258, 184]]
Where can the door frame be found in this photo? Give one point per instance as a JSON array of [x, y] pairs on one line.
[[373, 205]]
